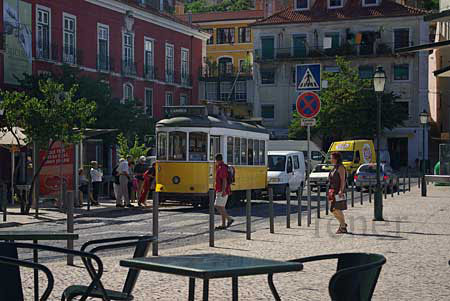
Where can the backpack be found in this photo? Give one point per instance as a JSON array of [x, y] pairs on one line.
[[231, 174]]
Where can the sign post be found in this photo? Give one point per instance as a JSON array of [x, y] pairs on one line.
[[308, 106]]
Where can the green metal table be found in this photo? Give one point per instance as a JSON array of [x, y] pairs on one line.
[[211, 266], [35, 236]]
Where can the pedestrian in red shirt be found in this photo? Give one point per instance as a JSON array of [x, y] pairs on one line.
[[223, 190]]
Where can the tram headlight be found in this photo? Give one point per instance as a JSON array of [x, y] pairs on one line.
[[176, 180]]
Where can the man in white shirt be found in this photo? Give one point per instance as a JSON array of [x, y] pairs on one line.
[[124, 172], [97, 178]]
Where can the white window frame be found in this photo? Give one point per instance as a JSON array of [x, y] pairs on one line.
[[103, 26], [169, 77], [333, 7], [239, 35], [240, 93], [184, 76], [304, 8], [225, 93], [208, 93], [74, 19], [166, 98], [401, 80], [145, 102], [409, 35], [49, 12], [268, 104], [364, 4], [152, 63], [124, 98], [124, 46], [185, 97]]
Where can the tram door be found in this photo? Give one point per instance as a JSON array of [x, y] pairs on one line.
[[214, 146]]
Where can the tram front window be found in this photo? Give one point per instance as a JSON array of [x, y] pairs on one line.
[[162, 146], [198, 146], [177, 146]]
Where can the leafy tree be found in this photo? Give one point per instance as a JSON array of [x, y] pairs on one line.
[[431, 4], [56, 115], [136, 150], [349, 108], [202, 6]]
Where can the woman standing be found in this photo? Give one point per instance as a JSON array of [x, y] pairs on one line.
[[336, 193], [97, 178]]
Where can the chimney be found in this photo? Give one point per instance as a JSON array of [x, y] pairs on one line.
[[179, 8], [259, 4], [189, 15]]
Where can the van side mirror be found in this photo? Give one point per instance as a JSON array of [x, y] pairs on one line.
[[289, 169]]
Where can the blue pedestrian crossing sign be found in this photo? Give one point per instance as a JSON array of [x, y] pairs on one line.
[[307, 77]]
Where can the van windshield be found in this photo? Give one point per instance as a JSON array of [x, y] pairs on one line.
[[277, 162], [347, 156]]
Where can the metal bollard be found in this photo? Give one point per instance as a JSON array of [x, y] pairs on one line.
[[327, 203], [404, 184], [4, 202], [288, 207], [249, 214], [299, 203], [353, 195], [409, 181], [89, 195], [271, 223], [392, 189], [370, 192], [211, 217], [385, 190], [318, 200], [361, 193], [69, 201], [309, 206], [155, 211]]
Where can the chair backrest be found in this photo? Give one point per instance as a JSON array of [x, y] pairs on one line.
[[356, 277], [142, 248], [10, 285]]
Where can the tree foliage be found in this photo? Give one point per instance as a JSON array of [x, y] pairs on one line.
[[134, 150], [349, 108], [431, 4], [202, 6]]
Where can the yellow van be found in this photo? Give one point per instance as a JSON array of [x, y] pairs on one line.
[[354, 153]]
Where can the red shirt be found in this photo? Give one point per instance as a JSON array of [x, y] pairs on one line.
[[222, 173]]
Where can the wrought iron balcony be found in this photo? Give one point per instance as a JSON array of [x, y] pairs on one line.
[[129, 68], [71, 55], [105, 63], [149, 72], [211, 72]]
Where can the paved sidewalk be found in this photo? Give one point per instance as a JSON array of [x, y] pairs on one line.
[[415, 238]]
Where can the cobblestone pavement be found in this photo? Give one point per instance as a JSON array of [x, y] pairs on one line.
[[415, 238]]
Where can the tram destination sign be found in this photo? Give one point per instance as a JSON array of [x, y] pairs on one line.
[[174, 111]]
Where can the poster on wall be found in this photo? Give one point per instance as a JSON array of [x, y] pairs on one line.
[[17, 33], [60, 162]]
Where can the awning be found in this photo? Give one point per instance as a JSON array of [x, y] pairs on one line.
[[429, 46], [443, 72], [7, 137]]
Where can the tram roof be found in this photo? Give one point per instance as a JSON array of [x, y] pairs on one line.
[[210, 122]]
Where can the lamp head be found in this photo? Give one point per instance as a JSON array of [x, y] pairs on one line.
[[424, 117], [379, 79]]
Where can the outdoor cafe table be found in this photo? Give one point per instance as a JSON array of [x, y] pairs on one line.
[[210, 266], [35, 236]]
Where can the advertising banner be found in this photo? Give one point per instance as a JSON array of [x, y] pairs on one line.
[[17, 33], [60, 161]]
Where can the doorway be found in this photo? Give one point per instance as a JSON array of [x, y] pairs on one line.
[[398, 150]]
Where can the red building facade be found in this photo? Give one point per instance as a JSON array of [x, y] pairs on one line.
[[144, 54]]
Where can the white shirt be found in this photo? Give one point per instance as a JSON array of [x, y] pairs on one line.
[[123, 168], [96, 175]]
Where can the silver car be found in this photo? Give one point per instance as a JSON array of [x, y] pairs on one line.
[[366, 175]]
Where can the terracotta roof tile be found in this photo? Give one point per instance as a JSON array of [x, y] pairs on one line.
[[226, 16], [351, 10]]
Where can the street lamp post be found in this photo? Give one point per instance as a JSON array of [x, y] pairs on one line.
[[379, 81], [423, 120]]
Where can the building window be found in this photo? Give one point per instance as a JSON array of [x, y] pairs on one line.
[[169, 99], [211, 90], [335, 40], [69, 39], [149, 102], [401, 72], [210, 41], [43, 33], [225, 66], [401, 38], [103, 47], [128, 54], [335, 3], [225, 35], [169, 64], [366, 72], [267, 76], [245, 35], [370, 2], [225, 90], [268, 47], [404, 104], [184, 100], [240, 90], [184, 66], [299, 45], [268, 111], [301, 4], [148, 59], [127, 92]]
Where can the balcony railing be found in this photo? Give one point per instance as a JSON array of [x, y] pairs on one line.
[[105, 63], [170, 77], [149, 72], [71, 55], [129, 68], [48, 52], [307, 52], [233, 72]]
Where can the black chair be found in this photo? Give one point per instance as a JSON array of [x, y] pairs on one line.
[[142, 244], [355, 279], [11, 286]]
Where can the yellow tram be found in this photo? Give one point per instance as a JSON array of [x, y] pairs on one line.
[[187, 142]]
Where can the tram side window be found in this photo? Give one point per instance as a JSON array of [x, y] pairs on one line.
[[162, 146], [250, 152], [256, 151], [177, 146], [237, 151], [243, 151], [214, 144], [198, 146], [230, 150], [262, 152]]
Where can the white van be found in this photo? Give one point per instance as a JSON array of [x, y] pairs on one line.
[[317, 155], [285, 169]]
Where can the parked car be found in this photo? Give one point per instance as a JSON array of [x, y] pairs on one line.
[[285, 169], [366, 175], [319, 176]]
